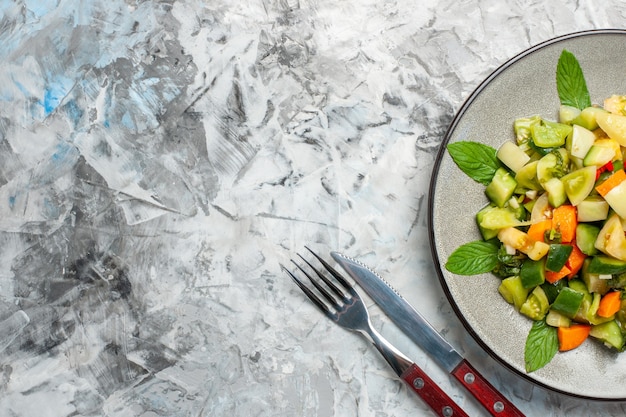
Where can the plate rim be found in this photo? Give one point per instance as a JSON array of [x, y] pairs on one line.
[[431, 195]]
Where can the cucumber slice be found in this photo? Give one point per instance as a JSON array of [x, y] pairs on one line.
[[487, 233], [512, 156], [536, 305], [579, 184], [532, 273], [609, 333], [587, 118], [598, 156], [568, 302], [552, 290], [556, 192], [567, 114], [578, 285], [612, 144], [586, 236], [501, 187], [593, 281], [557, 256], [606, 265], [591, 209], [513, 291], [491, 219]]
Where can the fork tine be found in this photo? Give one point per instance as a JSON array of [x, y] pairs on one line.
[[328, 282], [319, 303], [316, 284], [335, 274]]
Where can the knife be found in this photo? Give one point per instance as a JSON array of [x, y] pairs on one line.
[[424, 335]]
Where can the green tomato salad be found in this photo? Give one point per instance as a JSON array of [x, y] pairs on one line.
[[553, 230]]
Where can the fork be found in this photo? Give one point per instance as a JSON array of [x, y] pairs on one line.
[[343, 305]]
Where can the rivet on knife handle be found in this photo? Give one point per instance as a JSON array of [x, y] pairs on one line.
[[414, 325], [430, 392], [484, 392]]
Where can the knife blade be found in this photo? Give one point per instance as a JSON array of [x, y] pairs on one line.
[[416, 327]]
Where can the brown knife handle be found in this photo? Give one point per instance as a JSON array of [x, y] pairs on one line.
[[431, 393], [484, 392]]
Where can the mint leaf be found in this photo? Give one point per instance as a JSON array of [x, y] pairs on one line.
[[473, 258], [475, 159], [570, 82], [541, 345]]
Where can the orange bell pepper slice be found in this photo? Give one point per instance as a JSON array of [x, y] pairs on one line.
[[573, 336]]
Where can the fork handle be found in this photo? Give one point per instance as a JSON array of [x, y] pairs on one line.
[[431, 393]]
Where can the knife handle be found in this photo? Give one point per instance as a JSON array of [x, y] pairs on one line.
[[431, 393], [484, 392]]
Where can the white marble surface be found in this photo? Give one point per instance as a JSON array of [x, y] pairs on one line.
[[160, 160]]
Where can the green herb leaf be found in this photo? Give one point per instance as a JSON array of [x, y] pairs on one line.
[[570, 82], [473, 258], [541, 345], [475, 159]]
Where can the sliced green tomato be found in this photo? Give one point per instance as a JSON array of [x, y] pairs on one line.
[[557, 256], [550, 134], [513, 291], [579, 141], [615, 104], [522, 128], [613, 125], [611, 226], [553, 165], [609, 333], [611, 240], [555, 319], [616, 198], [568, 302], [526, 177], [536, 305], [541, 209], [519, 240], [578, 184]]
